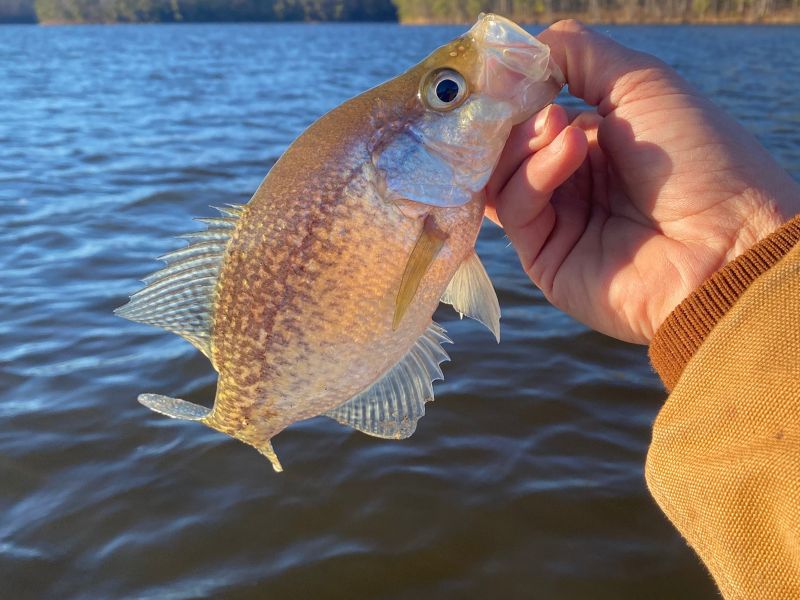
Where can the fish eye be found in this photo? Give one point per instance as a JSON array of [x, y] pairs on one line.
[[444, 90]]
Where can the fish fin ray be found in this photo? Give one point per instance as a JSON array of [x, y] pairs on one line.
[[471, 293], [427, 247], [174, 407], [179, 297], [230, 210], [391, 407]]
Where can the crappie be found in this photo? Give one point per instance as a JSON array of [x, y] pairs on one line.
[[316, 297]]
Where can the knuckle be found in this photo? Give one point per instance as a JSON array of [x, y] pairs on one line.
[[646, 79], [569, 26], [587, 120]]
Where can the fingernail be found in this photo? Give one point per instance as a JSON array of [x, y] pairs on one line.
[[541, 121]]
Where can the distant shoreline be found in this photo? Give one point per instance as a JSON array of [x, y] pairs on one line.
[[770, 20], [616, 17], [405, 12], [600, 21], [788, 17]]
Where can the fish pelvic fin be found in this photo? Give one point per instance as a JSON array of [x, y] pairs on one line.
[[471, 293], [174, 407], [188, 411], [266, 449]]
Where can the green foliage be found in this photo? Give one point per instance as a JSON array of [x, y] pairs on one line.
[[635, 10], [700, 7], [111, 11], [17, 11]]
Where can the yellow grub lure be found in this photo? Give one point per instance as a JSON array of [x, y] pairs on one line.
[[317, 296]]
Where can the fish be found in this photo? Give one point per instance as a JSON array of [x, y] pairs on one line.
[[317, 296]]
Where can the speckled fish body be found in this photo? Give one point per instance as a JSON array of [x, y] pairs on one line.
[[317, 296], [299, 333]]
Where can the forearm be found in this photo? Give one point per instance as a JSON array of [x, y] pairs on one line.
[[724, 463]]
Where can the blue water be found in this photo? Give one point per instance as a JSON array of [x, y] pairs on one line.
[[524, 480]]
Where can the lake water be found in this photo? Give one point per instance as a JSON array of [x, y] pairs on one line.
[[524, 480]]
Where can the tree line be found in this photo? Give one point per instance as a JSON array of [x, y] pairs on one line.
[[110, 11], [540, 11], [17, 11], [546, 11]]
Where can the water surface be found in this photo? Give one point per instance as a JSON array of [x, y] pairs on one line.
[[524, 480]]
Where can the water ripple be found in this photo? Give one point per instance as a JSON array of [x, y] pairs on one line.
[[525, 477]]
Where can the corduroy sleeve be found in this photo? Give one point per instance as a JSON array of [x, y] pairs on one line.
[[724, 463]]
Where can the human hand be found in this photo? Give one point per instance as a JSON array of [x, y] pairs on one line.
[[621, 214]]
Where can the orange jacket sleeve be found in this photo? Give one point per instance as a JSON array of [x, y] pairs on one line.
[[724, 463]]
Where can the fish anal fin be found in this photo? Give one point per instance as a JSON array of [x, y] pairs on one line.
[[471, 293], [391, 407], [429, 243]]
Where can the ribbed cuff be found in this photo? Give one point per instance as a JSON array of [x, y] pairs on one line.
[[679, 337]]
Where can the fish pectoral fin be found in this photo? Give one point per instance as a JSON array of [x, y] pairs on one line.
[[391, 407], [188, 411], [174, 407], [471, 293], [429, 243]]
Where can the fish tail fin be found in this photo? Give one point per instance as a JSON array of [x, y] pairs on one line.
[[181, 409]]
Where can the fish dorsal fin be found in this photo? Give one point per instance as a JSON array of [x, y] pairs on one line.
[[180, 296], [471, 293], [391, 407]]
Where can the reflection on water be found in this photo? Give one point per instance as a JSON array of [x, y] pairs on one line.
[[524, 480]]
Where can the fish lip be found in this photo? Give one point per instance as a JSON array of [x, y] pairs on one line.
[[495, 31], [515, 65], [505, 43], [556, 75]]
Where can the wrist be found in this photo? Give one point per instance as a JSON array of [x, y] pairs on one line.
[[765, 215], [685, 329]]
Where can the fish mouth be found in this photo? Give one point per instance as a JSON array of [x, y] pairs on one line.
[[516, 66]]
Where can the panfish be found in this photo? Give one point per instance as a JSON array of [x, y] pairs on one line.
[[316, 297]]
